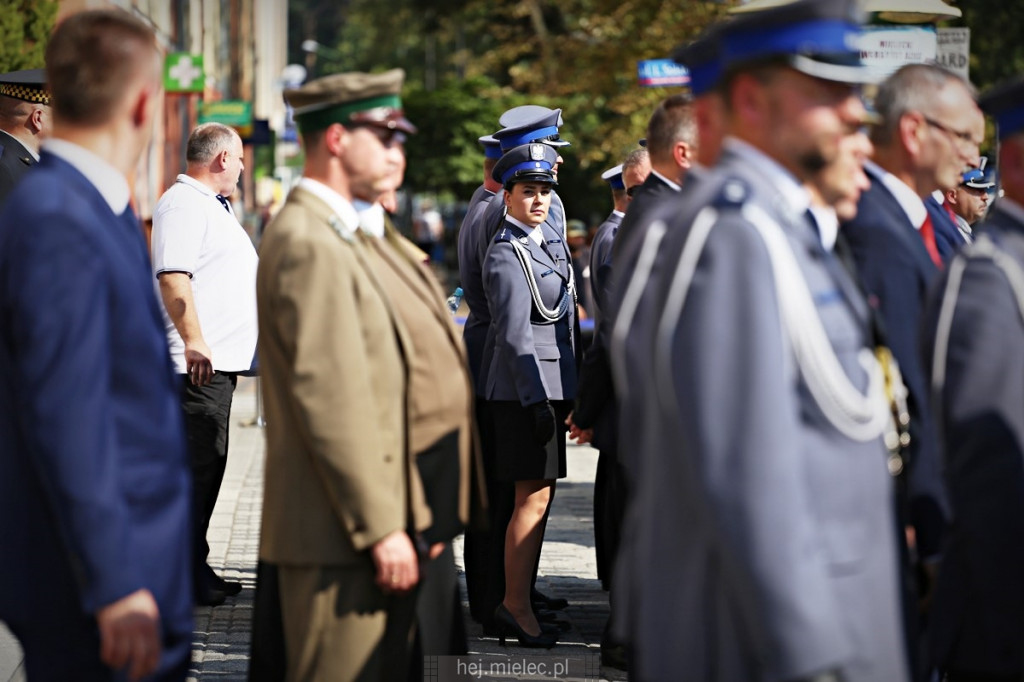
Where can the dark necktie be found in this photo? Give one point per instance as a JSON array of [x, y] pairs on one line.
[[928, 235], [224, 202]]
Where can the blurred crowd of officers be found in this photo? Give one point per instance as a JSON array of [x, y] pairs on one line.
[[805, 381]]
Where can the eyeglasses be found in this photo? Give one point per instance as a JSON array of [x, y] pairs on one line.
[[387, 136], [959, 137]]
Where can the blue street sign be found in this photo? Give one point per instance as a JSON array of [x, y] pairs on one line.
[[655, 73]]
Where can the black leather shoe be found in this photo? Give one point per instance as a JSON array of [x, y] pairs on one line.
[[492, 629], [614, 656], [541, 600], [228, 587], [507, 625], [213, 581], [210, 597]]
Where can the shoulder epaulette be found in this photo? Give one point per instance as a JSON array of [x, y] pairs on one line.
[[503, 236], [732, 193]]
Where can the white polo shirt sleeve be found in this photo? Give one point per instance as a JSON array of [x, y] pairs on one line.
[[179, 231]]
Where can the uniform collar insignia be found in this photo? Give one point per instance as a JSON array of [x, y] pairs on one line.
[[339, 226]]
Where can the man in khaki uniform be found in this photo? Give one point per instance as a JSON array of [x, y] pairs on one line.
[[342, 492]]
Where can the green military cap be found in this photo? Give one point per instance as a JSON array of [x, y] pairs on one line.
[[28, 85], [352, 98]]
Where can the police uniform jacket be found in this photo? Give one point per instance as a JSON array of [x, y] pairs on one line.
[[480, 239], [977, 621], [338, 471], [764, 535], [474, 332], [533, 359], [15, 159]]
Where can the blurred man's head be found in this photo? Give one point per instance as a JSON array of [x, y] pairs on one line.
[[350, 125], [215, 157], [104, 70], [930, 127], [635, 170], [672, 137]]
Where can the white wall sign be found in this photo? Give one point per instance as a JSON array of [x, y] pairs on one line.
[[884, 49], [954, 49]]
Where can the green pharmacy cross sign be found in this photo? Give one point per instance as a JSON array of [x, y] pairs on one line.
[[183, 72]]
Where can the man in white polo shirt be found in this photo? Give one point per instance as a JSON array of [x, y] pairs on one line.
[[205, 264]]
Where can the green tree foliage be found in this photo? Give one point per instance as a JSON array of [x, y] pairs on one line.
[[25, 26], [467, 61], [997, 51]]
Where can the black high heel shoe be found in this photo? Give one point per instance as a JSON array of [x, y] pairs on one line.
[[507, 625]]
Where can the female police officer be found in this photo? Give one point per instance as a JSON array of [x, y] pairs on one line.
[[531, 375]]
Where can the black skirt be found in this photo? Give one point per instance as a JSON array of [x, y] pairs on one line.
[[516, 453]]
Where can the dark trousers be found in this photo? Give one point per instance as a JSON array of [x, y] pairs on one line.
[[484, 553], [961, 676], [207, 411], [267, 655]]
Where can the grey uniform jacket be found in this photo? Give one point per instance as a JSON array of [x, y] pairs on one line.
[[764, 537], [532, 359], [977, 621], [474, 333], [475, 238]]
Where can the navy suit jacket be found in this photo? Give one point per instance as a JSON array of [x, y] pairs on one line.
[[896, 272], [947, 237], [631, 232], [595, 399], [94, 481]]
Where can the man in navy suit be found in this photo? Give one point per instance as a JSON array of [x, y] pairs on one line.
[[94, 487], [929, 133], [672, 146]]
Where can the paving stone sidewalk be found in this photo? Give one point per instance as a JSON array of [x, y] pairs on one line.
[[220, 648]]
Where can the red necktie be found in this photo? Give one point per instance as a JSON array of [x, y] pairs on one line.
[[928, 235]]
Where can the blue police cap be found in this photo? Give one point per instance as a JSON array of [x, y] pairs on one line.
[[492, 148], [532, 162], [817, 37], [975, 179], [702, 59], [526, 113], [1005, 103], [530, 123], [613, 176]]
